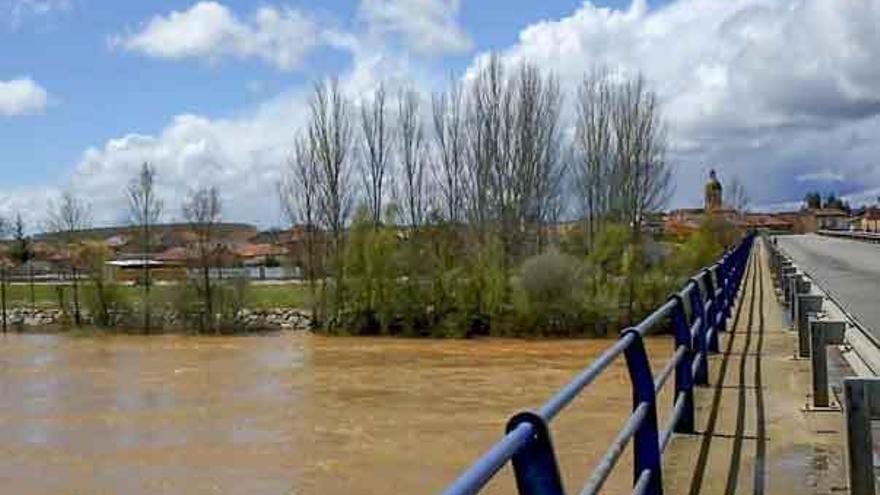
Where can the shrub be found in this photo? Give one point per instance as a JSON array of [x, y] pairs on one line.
[[552, 284], [107, 303]]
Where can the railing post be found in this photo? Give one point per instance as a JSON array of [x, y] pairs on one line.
[[711, 313], [726, 275], [646, 449], [822, 333], [861, 396], [799, 285], [742, 258], [805, 305], [684, 379], [534, 465], [701, 374], [788, 273], [785, 267]]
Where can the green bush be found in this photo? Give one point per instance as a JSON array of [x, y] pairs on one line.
[[107, 303], [552, 288], [370, 278]]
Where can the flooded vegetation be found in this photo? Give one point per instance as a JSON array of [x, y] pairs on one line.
[[285, 413]]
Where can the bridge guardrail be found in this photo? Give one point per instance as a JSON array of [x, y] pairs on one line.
[[698, 313], [861, 402], [851, 234], [866, 339]]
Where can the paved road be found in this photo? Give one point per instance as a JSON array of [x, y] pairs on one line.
[[849, 270]]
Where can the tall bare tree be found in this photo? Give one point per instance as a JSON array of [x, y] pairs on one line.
[[68, 216], [641, 174], [593, 149], [299, 199], [411, 155], [537, 168], [619, 159], [202, 209], [330, 135], [488, 116], [738, 196], [514, 167], [145, 209], [376, 144], [641, 177], [451, 143]]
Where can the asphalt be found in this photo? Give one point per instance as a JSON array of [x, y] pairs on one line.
[[848, 270]]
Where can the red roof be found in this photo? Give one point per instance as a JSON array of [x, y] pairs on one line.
[[257, 250], [173, 254], [872, 214], [830, 212]]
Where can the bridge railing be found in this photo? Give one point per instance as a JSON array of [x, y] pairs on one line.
[[697, 314], [852, 234]]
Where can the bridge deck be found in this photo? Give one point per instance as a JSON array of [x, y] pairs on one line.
[[849, 270], [755, 434]]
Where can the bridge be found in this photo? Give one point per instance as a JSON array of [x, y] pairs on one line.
[[749, 399], [845, 267]]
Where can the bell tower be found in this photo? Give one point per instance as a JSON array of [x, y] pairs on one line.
[[713, 197]]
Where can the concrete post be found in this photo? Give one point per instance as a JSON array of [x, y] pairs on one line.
[[807, 304], [788, 272], [784, 267], [774, 258], [788, 276], [823, 333], [800, 285], [862, 397]]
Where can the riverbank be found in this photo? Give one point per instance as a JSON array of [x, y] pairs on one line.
[[258, 296], [246, 321]]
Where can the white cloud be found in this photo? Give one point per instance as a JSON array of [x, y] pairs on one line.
[[282, 37], [16, 11], [426, 26], [826, 175], [22, 97], [743, 83], [768, 90], [243, 156]]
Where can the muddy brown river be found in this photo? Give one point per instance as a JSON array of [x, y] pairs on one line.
[[285, 414]]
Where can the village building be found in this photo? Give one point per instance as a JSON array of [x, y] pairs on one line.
[[813, 219], [830, 219], [868, 221], [684, 221]]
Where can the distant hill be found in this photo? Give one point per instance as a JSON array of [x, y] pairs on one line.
[[237, 232]]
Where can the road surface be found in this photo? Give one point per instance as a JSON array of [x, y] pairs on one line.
[[848, 270]]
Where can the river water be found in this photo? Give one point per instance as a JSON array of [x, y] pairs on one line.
[[286, 414]]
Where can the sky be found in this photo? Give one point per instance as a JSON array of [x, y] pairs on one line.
[[783, 95]]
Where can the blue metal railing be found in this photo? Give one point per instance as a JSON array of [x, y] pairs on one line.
[[698, 313]]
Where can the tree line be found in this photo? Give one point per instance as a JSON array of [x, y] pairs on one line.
[[813, 200], [197, 301], [441, 214]]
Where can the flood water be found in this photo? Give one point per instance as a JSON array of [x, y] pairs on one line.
[[285, 414]]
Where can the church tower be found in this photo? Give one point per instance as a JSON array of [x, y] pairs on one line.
[[713, 193]]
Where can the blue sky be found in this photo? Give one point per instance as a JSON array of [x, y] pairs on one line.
[[98, 93], [93, 87]]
